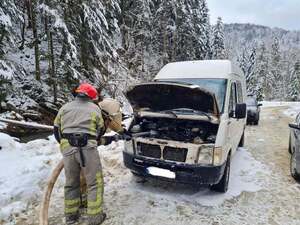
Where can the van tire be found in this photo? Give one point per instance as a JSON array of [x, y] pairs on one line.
[[222, 186], [242, 141], [135, 174], [139, 178], [293, 170]]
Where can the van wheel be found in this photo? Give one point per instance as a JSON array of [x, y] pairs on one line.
[[136, 174], [222, 186], [139, 178], [293, 169], [242, 141]]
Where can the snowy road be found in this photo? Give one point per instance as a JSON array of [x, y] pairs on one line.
[[261, 190]]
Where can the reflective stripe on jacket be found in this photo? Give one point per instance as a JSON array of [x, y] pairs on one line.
[[80, 116]]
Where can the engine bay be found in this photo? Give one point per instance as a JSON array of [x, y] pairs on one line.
[[187, 131]]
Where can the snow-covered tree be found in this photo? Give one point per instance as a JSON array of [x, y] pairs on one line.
[[261, 82], [294, 87], [4, 89], [9, 14], [218, 46], [136, 31], [276, 57], [282, 52], [247, 62], [165, 30], [202, 29]]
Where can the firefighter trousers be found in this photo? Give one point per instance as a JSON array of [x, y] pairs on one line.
[[94, 179]]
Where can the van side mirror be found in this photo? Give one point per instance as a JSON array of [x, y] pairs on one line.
[[294, 126], [240, 111]]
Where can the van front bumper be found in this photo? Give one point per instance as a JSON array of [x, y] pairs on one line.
[[185, 173]]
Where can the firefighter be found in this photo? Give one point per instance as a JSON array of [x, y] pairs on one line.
[[78, 127]]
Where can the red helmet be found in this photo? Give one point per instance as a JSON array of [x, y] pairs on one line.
[[88, 90]]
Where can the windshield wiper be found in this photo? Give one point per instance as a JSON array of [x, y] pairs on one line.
[[171, 112], [194, 112]]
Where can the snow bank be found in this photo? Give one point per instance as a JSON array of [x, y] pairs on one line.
[[266, 104], [293, 110], [23, 168]]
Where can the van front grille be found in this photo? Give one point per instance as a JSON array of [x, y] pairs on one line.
[[168, 153], [148, 150], [175, 154]]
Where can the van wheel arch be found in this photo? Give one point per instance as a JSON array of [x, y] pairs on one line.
[[222, 186]]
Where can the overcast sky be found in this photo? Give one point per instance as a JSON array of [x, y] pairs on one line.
[[274, 13]]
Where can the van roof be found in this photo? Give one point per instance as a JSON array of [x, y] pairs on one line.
[[199, 69]]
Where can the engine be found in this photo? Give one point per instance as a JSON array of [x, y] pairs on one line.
[[197, 132]]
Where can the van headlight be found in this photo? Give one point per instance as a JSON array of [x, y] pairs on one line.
[[206, 154], [218, 156], [129, 147]]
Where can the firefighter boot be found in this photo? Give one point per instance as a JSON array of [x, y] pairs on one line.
[[96, 220], [72, 219]]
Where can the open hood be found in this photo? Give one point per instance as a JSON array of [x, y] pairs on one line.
[[160, 96]]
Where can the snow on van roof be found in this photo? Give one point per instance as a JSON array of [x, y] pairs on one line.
[[198, 69]]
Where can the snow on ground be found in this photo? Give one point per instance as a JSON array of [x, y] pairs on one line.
[[3, 126], [292, 111], [246, 174], [266, 104], [23, 169]]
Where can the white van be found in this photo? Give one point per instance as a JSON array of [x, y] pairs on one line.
[[188, 123]]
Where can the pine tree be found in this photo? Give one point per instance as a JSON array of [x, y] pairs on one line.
[[9, 15], [33, 9], [201, 22], [218, 45], [262, 85], [4, 89], [247, 63], [294, 87], [276, 69], [165, 30], [137, 32], [50, 54]]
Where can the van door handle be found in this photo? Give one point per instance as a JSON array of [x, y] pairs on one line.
[[229, 122]]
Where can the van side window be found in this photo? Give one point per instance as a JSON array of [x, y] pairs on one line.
[[233, 98], [239, 92]]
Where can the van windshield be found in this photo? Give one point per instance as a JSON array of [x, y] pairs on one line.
[[215, 86]]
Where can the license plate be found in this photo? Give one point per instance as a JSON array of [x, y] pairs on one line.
[[158, 172]]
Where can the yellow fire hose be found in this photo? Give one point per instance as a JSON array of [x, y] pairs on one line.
[[43, 217]]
